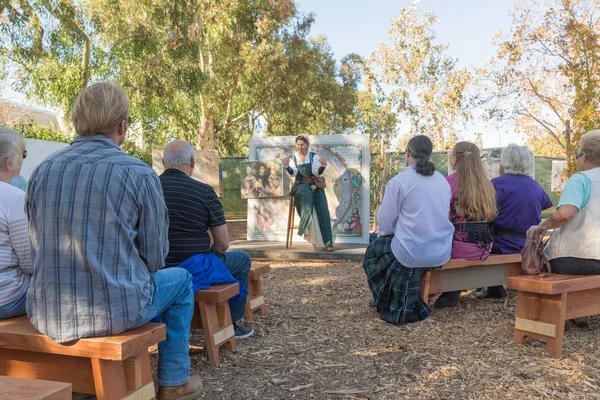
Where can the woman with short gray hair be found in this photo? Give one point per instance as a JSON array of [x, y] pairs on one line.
[[520, 201], [15, 252]]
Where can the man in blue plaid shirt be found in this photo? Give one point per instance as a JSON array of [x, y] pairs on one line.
[[98, 226]]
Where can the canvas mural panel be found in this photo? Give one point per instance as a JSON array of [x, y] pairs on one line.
[[263, 179], [347, 191], [207, 169]]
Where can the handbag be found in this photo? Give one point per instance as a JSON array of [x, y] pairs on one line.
[[533, 259]]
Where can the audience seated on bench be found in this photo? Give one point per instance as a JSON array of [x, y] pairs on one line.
[[99, 270]]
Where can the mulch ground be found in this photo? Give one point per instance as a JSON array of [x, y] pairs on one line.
[[320, 340]]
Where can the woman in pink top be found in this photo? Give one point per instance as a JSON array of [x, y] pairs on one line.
[[472, 209]]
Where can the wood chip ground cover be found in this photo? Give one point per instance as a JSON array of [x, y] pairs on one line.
[[320, 340]]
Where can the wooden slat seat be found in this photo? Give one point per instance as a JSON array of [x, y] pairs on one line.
[[29, 389], [545, 303], [213, 316], [461, 274], [554, 283], [256, 301], [111, 367]]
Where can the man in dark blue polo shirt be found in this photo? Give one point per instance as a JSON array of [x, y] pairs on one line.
[[194, 210]]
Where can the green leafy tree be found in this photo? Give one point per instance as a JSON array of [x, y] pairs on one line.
[[51, 47], [546, 74]]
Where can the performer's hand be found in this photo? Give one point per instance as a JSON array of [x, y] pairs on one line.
[[323, 161], [286, 162]]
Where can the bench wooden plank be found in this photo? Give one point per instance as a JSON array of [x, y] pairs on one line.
[[258, 269], [493, 259], [462, 274], [217, 293], [29, 389], [554, 284], [18, 333]]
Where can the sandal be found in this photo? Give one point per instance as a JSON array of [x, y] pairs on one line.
[[329, 249]]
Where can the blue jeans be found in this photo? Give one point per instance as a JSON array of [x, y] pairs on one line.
[[172, 305], [14, 308], [238, 263]]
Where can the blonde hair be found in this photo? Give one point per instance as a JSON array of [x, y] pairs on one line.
[[476, 197], [12, 145], [590, 145], [99, 109]]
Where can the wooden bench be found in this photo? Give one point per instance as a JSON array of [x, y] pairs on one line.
[[544, 303], [461, 274], [212, 314], [30, 389], [256, 302], [111, 367]]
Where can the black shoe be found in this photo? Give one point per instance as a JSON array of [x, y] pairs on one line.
[[241, 332], [493, 292], [447, 299]]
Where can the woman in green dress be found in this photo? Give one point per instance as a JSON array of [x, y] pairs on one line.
[[311, 202]]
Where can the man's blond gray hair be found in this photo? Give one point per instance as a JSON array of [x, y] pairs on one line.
[[590, 145], [12, 145], [99, 109], [516, 160]]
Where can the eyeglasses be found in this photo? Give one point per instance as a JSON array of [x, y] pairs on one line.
[[578, 154], [24, 154], [128, 120]]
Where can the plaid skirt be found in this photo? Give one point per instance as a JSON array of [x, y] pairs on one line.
[[396, 288]]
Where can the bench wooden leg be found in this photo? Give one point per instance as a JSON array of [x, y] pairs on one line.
[[218, 329], [425, 282], [255, 302], [123, 380], [541, 317]]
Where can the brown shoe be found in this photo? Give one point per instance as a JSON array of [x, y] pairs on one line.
[[188, 391]]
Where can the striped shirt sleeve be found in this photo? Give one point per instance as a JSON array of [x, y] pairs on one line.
[[19, 234], [153, 230]]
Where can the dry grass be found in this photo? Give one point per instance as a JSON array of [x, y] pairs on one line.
[[320, 340]]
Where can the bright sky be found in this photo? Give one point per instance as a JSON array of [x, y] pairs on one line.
[[468, 26]]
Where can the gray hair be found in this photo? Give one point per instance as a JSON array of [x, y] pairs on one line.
[[12, 145], [516, 160], [178, 152], [590, 145]]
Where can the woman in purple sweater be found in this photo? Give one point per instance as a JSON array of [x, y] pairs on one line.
[[520, 200]]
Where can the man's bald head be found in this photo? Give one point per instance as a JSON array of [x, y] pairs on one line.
[[179, 154]]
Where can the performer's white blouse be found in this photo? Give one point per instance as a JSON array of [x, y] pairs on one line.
[[315, 165]]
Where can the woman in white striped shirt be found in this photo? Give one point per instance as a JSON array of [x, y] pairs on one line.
[[15, 250]]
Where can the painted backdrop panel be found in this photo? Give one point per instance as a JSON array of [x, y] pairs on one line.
[[347, 177]]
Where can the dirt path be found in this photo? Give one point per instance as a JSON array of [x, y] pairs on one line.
[[319, 334]]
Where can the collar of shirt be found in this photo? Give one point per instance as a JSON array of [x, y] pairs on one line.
[[97, 138]]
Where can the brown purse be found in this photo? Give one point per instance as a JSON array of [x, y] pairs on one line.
[[533, 259]]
